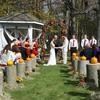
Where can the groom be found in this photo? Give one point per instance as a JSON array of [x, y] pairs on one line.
[[64, 48]]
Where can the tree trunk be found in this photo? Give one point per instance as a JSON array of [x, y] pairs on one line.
[[98, 33]]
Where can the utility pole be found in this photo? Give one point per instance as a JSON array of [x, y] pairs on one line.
[[98, 31]]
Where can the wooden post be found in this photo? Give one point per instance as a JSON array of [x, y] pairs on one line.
[[28, 67], [33, 63], [82, 67], [99, 78], [75, 65], [92, 75], [1, 82], [11, 76], [21, 70]]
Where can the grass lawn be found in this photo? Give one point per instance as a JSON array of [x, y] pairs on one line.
[[53, 83]]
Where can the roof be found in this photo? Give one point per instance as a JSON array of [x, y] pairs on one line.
[[19, 17]]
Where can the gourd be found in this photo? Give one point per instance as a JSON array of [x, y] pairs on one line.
[[82, 58], [28, 59], [21, 60], [33, 56], [94, 60], [10, 62]]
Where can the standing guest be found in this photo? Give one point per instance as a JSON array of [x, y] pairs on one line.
[[84, 41], [7, 54], [17, 52], [35, 47], [93, 41], [21, 48], [13, 42], [87, 52], [27, 46], [73, 45], [64, 48], [19, 42], [95, 51], [98, 54]]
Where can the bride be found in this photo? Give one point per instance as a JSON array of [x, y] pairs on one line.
[[52, 58]]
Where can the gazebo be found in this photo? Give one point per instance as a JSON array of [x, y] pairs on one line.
[[20, 24]]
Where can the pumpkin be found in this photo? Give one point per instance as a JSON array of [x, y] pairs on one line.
[[94, 60], [10, 63], [83, 58], [21, 60], [33, 56], [28, 59]]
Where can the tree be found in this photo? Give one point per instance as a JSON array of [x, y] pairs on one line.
[[98, 33]]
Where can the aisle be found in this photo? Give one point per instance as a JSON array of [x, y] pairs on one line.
[[53, 83]]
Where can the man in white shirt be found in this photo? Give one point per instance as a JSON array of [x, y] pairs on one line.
[[93, 41], [64, 48], [85, 41], [73, 45]]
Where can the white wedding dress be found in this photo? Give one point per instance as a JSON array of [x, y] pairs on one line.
[[52, 58]]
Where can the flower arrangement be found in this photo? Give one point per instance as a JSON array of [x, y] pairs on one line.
[[27, 73], [19, 79]]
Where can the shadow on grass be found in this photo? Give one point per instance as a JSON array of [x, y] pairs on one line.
[[65, 71], [78, 94], [70, 82], [66, 76]]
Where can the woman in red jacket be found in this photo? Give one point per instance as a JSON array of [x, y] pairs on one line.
[[27, 46], [35, 47]]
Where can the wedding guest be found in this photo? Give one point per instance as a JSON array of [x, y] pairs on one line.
[[35, 47], [27, 47], [73, 45], [95, 51], [19, 42], [98, 56], [93, 41], [7, 54], [87, 52], [84, 41], [13, 42]]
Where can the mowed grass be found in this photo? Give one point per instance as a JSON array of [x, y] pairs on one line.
[[53, 83]]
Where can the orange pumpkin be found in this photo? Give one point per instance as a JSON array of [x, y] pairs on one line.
[[21, 60], [33, 56], [28, 59], [83, 58], [94, 60], [10, 62]]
